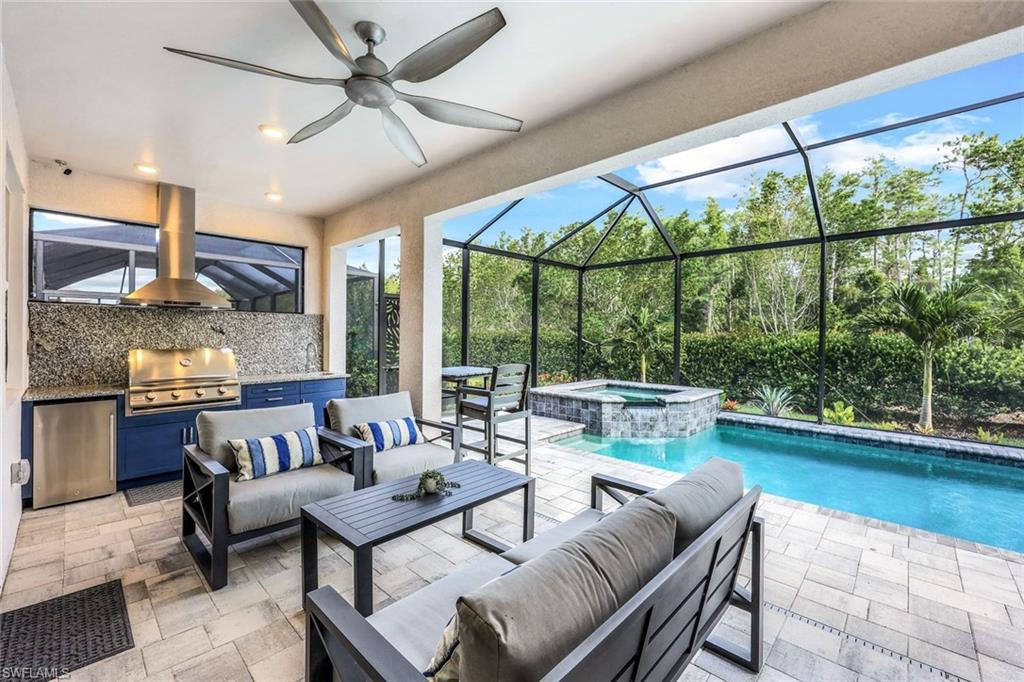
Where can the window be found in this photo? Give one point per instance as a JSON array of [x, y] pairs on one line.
[[79, 259]]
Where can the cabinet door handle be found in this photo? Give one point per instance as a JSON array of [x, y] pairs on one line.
[[274, 400], [113, 448], [275, 389], [184, 438]]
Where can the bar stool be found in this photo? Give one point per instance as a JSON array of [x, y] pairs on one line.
[[505, 399]]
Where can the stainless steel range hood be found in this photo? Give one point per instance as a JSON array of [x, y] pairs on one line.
[[176, 283]]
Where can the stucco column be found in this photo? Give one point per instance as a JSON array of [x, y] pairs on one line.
[[419, 370]]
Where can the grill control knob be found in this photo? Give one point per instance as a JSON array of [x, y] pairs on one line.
[[175, 394], [150, 397], [222, 390], [200, 392]]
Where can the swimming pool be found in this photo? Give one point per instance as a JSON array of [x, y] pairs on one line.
[[972, 500]]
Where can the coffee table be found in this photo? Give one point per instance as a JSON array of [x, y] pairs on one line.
[[365, 518]]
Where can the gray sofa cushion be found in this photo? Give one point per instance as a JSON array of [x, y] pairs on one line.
[[701, 497], [265, 501], [556, 536], [414, 624], [217, 428], [520, 625], [347, 412], [411, 460]]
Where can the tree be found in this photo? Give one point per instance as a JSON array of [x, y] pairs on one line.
[[640, 333], [932, 321]]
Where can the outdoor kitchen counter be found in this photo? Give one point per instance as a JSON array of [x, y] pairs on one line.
[[39, 393]]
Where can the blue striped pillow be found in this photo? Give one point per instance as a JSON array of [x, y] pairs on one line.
[[393, 433], [259, 457]]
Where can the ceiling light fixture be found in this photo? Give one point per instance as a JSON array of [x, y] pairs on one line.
[[273, 196], [146, 168], [270, 131]]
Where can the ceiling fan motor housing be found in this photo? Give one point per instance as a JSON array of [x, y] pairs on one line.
[[369, 91]]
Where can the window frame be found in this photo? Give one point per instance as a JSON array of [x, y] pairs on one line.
[[300, 290]]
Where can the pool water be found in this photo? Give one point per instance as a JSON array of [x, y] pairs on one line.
[[970, 500], [630, 395]]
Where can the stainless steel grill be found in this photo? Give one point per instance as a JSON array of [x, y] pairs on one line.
[[168, 380]]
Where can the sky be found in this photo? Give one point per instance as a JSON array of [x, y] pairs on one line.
[[918, 146]]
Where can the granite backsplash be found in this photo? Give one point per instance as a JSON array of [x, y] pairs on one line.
[[74, 344]]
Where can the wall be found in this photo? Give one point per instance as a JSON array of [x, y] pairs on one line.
[[135, 201], [838, 52], [13, 328], [82, 344]]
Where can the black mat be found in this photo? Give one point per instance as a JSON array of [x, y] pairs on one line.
[[153, 493], [50, 639]]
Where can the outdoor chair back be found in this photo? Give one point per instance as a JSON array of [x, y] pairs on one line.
[[510, 386]]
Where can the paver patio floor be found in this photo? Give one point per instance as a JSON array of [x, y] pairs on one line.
[[848, 597]]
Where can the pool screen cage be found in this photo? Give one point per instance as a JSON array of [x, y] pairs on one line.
[[634, 199]]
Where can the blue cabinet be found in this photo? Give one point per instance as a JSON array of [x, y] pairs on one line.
[[318, 392], [319, 401], [152, 450]]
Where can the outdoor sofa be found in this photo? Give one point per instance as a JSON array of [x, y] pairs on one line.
[[628, 594]]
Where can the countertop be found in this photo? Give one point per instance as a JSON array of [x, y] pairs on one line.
[[38, 393]]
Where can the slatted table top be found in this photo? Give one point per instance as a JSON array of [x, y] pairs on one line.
[[370, 516], [464, 372]]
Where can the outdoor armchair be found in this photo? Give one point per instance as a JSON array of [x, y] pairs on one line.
[[227, 511], [345, 413]]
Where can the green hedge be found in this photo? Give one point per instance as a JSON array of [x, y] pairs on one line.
[[874, 372]]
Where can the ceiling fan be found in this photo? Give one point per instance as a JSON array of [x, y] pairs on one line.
[[372, 82]]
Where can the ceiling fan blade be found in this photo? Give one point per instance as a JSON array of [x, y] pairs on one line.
[[460, 114], [445, 51], [253, 68], [324, 30], [322, 124], [402, 138]]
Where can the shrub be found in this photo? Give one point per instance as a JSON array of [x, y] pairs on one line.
[[879, 373], [988, 436], [840, 413], [730, 405], [774, 401]]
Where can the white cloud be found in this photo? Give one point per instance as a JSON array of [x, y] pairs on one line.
[[731, 150], [919, 149], [886, 119]]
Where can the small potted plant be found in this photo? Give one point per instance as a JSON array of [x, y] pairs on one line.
[[431, 482]]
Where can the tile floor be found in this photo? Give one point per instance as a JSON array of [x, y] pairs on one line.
[[849, 598]]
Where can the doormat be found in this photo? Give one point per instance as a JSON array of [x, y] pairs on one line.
[[153, 493], [50, 639]]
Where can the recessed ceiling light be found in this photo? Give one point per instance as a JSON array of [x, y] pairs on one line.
[[271, 131], [273, 196], [146, 168]]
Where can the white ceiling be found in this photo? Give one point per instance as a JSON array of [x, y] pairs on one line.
[[94, 87]]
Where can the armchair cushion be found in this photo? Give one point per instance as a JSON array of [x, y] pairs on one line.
[[346, 413], [518, 626], [701, 497], [411, 460], [217, 428], [266, 501], [259, 457]]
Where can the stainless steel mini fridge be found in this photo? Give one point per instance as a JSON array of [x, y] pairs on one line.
[[74, 451]]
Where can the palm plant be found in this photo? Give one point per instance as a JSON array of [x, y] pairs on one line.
[[931, 320], [640, 333], [774, 401]]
